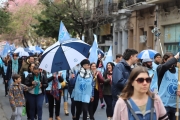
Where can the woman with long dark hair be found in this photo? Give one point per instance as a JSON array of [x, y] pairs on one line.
[[97, 77], [107, 94], [136, 100], [25, 74]]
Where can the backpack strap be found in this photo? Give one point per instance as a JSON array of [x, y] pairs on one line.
[[152, 107], [131, 110]]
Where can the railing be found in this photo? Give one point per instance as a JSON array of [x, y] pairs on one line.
[[132, 2]]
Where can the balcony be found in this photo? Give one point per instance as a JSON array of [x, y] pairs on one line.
[[132, 2], [105, 10], [157, 1], [137, 4]]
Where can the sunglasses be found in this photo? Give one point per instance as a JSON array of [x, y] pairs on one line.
[[141, 80]]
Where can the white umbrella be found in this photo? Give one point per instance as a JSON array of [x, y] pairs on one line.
[[21, 52], [64, 56]]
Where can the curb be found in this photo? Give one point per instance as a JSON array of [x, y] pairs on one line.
[[2, 114]]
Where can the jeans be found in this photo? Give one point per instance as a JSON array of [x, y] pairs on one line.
[[46, 99], [27, 105], [171, 113], [18, 113], [51, 100], [35, 102], [6, 87], [65, 94], [81, 106], [108, 100]]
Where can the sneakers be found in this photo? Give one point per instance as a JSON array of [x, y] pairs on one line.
[[109, 118], [46, 104], [102, 105]]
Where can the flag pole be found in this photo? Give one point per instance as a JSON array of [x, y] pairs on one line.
[[177, 101]]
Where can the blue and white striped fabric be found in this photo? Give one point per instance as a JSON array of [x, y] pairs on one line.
[[147, 54], [64, 56]]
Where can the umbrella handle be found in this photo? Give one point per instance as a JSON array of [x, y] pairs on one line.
[[177, 102]]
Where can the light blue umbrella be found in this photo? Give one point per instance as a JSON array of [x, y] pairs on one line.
[[147, 54], [64, 56]]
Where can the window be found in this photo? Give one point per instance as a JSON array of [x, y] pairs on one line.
[[172, 38]]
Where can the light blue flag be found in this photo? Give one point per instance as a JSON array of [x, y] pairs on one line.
[[108, 57], [12, 47], [63, 33], [5, 50], [93, 57]]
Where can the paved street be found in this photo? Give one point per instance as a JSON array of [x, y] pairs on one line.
[[99, 115]]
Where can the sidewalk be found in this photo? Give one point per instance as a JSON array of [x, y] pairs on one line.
[[2, 114]]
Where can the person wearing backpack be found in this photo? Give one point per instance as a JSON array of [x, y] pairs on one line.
[[136, 102]]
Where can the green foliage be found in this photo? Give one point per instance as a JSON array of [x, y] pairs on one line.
[[49, 20], [4, 21]]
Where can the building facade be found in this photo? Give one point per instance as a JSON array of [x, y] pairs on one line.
[[135, 30]]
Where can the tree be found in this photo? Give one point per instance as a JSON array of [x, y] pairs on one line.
[[71, 13], [5, 20], [79, 16], [22, 15]]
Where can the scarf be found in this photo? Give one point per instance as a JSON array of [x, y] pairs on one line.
[[14, 66], [54, 90], [95, 79], [85, 73], [37, 87]]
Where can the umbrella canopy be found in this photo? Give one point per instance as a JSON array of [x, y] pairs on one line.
[[147, 54], [21, 51], [36, 49], [64, 56]]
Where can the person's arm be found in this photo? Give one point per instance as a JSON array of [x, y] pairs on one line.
[[100, 77], [92, 94], [60, 79], [117, 77], [26, 88], [106, 80], [28, 81], [50, 79], [44, 82], [161, 69], [161, 109], [11, 99], [118, 110]]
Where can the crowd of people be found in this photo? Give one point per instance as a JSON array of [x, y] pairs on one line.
[[132, 88]]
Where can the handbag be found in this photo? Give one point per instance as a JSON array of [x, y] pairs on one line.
[[63, 84], [24, 111], [134, 114]]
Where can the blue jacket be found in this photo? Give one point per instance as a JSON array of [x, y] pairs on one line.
[[120, 76]]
